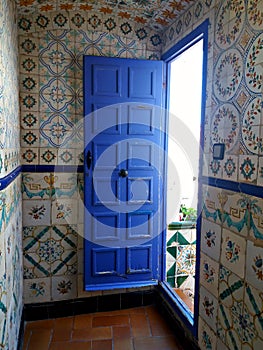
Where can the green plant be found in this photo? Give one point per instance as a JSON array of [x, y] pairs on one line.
[[189, 214]]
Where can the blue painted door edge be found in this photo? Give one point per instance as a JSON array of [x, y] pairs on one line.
[[201, 32]]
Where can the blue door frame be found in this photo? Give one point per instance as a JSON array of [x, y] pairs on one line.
[[201, 32]]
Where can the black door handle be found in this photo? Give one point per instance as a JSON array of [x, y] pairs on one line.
[[89, 159], [123, 173]]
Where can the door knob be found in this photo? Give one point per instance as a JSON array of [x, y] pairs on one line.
[[123, 173]]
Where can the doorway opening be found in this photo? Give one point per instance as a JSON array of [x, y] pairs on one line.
[[185, 76]]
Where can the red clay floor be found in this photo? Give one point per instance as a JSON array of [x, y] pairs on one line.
[[131, 329]]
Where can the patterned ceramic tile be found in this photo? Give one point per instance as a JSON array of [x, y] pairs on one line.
[[36, 185], [215, 168], [64, 211], [229, 327], [36, 212], [64, 287], [254, 265], [229, 24], [248, 168], [213, 203], [208, 306], [253, 315], [225, 126], [209, 274], [253, 65], [37, 290], [230, 168], [48, 156], [206, 336], [228, 74], [233, 252], [36, 263], [231, 287], [211, 239], [29, 155], [251, 127], [29, 138], [236, 212]]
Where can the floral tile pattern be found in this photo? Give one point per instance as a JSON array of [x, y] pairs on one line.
[[254, 265], [208, 306], [211, 239], [36, 212], [209, 274]]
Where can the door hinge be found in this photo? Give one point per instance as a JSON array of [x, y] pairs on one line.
[[164, 85]]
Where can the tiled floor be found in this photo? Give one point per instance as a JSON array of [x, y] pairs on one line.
[[132, 329]]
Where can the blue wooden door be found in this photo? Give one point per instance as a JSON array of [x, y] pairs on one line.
[[124, 143]]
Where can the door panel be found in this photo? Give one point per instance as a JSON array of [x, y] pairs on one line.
[[123, 187]]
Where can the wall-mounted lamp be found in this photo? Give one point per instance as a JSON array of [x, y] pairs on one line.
[[218, 151]]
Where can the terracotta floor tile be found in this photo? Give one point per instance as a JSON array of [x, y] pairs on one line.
[[100, 321], [60, 334], [139, 325], [123, 344], [158, 324], [92, 333], [156, 343], [43, 324], [102, 345], [71, 346], [40, 339], [64, 323], [82, 321], [121, 332], [137, 310]]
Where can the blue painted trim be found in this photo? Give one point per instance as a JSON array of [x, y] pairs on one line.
[[179, 307], [200, 33], [241, 187], [114, 285], [53, 168], [5, 181]]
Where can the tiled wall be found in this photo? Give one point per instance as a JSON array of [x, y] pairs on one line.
[[11, 276], [51, 47], [231, 271], [51, 50]]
